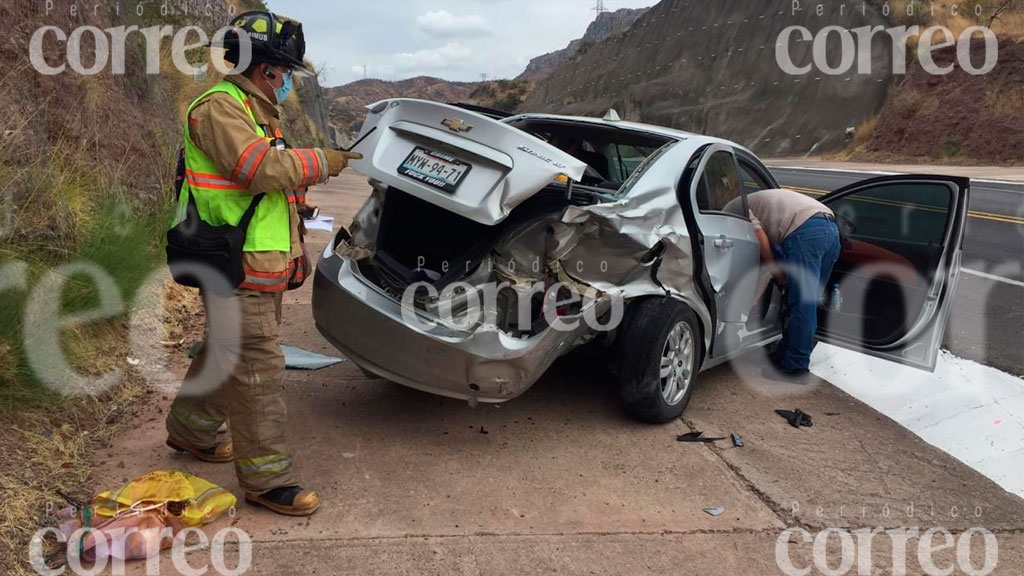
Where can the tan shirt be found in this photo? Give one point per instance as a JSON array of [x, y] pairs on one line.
[[222, 129], [780, 212]]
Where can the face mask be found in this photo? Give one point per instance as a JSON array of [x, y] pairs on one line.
[[285, 90]]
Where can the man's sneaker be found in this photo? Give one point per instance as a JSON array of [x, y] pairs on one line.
[[288, 500], [221, 453]]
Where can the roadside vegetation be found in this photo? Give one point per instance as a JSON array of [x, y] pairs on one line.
[[504, 95], [87, 164]]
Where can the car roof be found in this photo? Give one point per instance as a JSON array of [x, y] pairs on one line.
[[699, 139]]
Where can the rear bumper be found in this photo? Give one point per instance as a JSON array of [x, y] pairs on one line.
[[366, 325]]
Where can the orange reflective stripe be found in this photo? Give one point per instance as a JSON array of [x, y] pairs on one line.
[[249, 163], [247, 285], [210, 181], [266, 275], [265, 281], [298, 269], [310, 166], [205, 175], [305, 164]]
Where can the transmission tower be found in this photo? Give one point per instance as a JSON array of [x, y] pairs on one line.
[[599, 7]]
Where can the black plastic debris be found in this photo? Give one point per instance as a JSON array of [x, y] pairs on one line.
[[697, 438], [796, 418], [737, 441]]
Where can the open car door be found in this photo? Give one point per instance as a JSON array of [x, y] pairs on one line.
[[458, 159], [898, 269]]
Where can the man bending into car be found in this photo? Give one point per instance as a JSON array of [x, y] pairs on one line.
[[806, 234]]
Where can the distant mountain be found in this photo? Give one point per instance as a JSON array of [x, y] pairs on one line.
[[607, 25], [347, 104]]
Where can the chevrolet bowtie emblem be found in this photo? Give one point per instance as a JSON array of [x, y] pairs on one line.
[[456, 125]]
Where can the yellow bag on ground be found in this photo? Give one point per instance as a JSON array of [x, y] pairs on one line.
[[191, 499]]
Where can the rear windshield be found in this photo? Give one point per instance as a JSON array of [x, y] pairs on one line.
[[612, 155]]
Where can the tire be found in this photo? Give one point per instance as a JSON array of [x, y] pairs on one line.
[[655, 332]]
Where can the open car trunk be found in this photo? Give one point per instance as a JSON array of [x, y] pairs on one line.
[[420, 242]]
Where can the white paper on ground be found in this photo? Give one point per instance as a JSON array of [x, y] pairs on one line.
[[324, 223], [973, 412]]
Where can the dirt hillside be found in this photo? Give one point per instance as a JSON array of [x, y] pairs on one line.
[[710, 67], [957, 118]]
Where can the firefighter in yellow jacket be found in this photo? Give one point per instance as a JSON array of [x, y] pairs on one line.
[[234, 150]]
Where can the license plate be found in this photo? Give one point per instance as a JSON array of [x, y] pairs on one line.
[[436, 169]]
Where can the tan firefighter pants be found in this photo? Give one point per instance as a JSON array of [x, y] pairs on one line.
[[238, 376]]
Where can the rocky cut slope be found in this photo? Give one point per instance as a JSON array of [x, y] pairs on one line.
[[710, 67], [607, 25]]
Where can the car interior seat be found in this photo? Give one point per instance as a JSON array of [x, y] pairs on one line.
[[597, 161]]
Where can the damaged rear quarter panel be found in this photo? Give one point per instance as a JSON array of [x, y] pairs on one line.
[[604, 245]]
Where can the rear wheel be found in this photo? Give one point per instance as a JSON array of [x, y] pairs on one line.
[[661, 350]]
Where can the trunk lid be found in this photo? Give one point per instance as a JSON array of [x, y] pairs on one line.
[[456, 159]]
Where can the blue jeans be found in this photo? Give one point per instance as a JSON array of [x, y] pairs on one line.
[[809, 255]]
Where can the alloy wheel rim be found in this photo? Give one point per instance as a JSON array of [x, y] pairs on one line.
[[676, 370]]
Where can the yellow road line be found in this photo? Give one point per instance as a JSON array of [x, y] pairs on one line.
[[973, 214]]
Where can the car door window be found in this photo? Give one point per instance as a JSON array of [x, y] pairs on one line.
[[904, 220], [902, 228], [898, 266], [720, 189], [752, 180]]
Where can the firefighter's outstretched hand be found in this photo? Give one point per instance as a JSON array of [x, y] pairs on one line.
[[337, 160]]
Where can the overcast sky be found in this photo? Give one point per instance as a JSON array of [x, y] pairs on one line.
[[451, 39]]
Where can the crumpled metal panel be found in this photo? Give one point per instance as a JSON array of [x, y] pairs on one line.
[[367, 221], [604, 246]]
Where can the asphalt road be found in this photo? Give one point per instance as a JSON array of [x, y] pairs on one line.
[[989, 305]]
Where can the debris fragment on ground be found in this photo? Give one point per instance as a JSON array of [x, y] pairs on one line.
[[796, 418], [697, 438], [299, 359]]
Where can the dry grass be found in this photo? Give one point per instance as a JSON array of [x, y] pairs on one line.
[[864, 131], [47, 455]]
